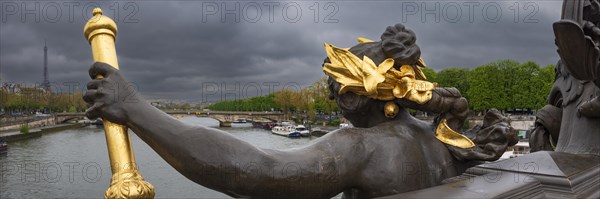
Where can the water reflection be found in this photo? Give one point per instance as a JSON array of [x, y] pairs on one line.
[[74, 164]]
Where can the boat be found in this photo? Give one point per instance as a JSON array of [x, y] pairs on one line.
[[241, 120], [264, 125], [3, 146], [303, 131], [98, 122], [269, 125], [288, 131], [344, 125], [258, 125]]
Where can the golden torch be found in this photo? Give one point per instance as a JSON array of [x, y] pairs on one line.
[[126, 182]]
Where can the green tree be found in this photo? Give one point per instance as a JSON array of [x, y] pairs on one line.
[[505, 79], [285, 98], [322, 101], [304, 102], [525, 86], [430, 74], [546, 76], [72, 109], [480, 91], [490, 85], [454, 77], [3, 99], [507, 84], [258, 103]]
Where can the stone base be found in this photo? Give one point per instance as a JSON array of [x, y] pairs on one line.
[[544, 174]]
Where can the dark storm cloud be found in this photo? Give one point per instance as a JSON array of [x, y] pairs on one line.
[[174, 49]]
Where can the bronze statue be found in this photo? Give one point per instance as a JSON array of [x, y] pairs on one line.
[[388, 152], [570, 121]]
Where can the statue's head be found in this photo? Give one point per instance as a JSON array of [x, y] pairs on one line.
[[362, 100]]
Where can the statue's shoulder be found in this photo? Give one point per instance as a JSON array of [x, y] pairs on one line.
[[350, 136], [389, 130], [345, 133]]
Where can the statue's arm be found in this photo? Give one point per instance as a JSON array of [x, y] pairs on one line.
[[218, 160]]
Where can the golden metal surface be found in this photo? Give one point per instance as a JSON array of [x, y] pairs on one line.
[[363, 40], [421, 62], [445, 134], [382, 82], [391, 109], [126, 182]]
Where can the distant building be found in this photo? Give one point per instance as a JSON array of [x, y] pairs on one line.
[[163, 103], [21, 89], [11, 88]]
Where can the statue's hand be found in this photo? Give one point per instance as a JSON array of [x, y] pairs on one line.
[[491, 139], [111, 96]]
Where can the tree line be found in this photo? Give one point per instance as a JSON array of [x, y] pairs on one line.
[[503, 84], [30, 100], [309, 100]]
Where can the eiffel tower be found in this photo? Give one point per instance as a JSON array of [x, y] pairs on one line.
[[46, 83]]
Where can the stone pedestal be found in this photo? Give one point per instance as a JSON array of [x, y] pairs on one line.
[[544, 174]]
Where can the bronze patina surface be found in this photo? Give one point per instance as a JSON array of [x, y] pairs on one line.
[[571, 120]]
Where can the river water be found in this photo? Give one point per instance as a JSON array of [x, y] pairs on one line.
[[74, 164]]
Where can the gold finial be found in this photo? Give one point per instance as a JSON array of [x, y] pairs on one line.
[[99, 24], [97, 11]]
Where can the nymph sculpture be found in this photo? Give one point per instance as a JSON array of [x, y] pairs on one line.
[[388, 152]]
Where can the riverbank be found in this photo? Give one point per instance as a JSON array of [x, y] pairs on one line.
[[14, 135], [11, 124]]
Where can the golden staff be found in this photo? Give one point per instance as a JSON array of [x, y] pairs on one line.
[[126, 182]]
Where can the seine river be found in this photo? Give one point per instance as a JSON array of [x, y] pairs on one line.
[[74, 164]]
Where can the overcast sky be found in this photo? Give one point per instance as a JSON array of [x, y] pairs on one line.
[[178, 49]]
